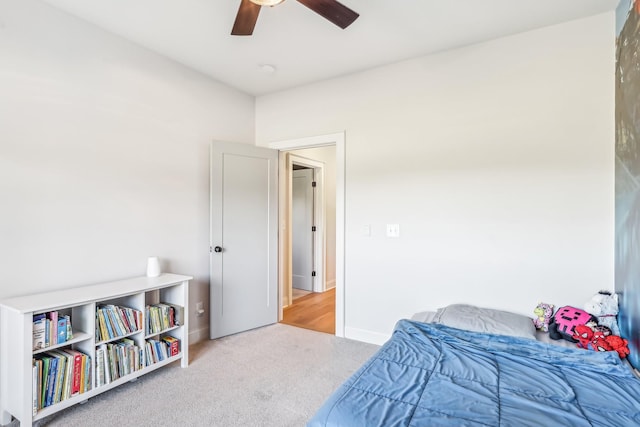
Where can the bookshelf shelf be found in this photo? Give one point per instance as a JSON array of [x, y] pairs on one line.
[[22, 393], [78, 337], [164, 331], [119, 337]]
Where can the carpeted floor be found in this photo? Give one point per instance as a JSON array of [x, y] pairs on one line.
[[273, 376]]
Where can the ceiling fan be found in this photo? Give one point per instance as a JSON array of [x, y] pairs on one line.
[[331, 10]]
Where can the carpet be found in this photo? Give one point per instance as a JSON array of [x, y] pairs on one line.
[[278, 375]]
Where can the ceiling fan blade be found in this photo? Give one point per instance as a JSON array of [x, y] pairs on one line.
[[245, 19], [332, 10]]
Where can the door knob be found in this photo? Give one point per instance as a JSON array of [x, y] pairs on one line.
[[217, 249]]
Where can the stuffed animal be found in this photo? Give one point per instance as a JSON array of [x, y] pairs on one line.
[[618, 344], [543, 312], [599, 329], [600, 344], [599, 339], [565, 320], [584, 335], [604, 305]]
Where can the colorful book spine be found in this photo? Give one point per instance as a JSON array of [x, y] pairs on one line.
[[86, 360], [39, 324], [76, 364], [53, 328], [69, 329], [61, 330], [60, 375], [173, 345], [100, 373], [34, 387], [51, 381], [45, 380]]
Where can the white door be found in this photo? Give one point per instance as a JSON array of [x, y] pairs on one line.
[[301, 227], [244, 238]]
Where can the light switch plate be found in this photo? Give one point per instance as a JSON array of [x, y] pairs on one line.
[[393, 230]]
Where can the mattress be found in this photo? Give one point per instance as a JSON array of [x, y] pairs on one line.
[[435, 375], [428, 317]]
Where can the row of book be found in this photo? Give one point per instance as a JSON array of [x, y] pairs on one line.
[[50, 329], [159, 350], [59, 375], [113, 321], [161, 317], [123, 357], [117, 359]]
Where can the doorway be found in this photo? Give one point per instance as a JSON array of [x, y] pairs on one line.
[[337, 140], [308, 245], [235, 192]]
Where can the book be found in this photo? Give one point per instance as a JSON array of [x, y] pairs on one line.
[[39, 324], [76, 376], [69, 329], [109, 327], [173, 345], [152, 352], [83, 362], [103, 331], [60, 374], [114, 316], [161, 350], [86, 360], [111, 322], [51, 381], [47, 333], [131, 356], [100, 373], [66, 380], [53, 328], [85, 384], [34, 387], [123, 313], [40, 377], [61, 330], [44, 380], [104, 365]]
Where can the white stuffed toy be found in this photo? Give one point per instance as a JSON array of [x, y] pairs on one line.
[[604, 305]]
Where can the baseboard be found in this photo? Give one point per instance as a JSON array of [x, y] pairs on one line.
[[366, 336], [199, 335], [329, 285]]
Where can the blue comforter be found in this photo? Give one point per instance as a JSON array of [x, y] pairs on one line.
[[433, 375]]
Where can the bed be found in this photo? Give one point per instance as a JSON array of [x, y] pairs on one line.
[[490, 372]]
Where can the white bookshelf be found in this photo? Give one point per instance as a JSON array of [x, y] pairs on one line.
[[16, 336]]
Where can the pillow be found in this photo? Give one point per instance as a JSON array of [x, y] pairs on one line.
[[424, 316], [486, 320]]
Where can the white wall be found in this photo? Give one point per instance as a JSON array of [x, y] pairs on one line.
[[104, 155], [495, 159], [327, 155]]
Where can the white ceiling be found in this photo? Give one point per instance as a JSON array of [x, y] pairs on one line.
[[303, 46]]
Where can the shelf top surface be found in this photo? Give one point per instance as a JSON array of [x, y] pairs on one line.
[[86, 294]]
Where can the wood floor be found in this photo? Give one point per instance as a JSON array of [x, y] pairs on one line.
[[316, 311]]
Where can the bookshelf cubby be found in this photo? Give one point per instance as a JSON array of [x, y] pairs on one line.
[[127, 345]]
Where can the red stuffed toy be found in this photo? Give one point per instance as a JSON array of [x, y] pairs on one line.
[[584, 335], [600, 340], [600, 344], [618, 344]]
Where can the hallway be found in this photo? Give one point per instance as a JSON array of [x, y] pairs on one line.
[[315, 311]]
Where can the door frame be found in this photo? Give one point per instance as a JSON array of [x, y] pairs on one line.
[[337, 139], [319, 240]]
